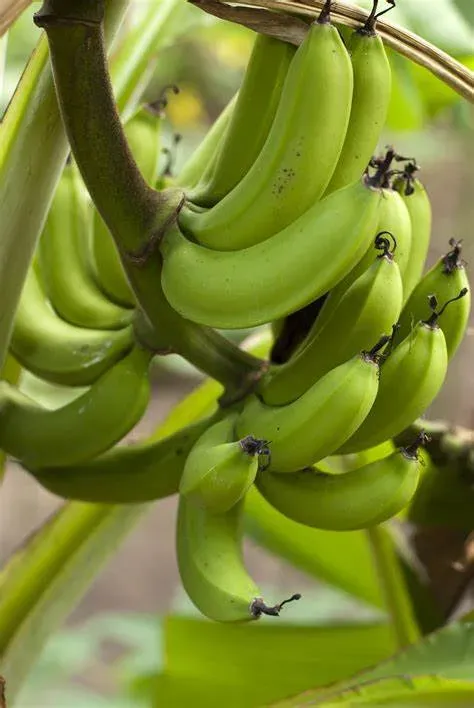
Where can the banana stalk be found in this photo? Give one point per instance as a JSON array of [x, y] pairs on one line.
[[135, 214]]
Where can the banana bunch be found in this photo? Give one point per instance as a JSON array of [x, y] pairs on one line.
[[289, 220]]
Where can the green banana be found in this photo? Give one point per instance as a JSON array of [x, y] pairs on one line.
[[370, 101], [82, 429], [211, 565], [353, 500], [206, 153], [445, 280], [395, 218], [57, 351], [318, 422], [409, 381], [68, 283], [234, 290], [126, 474], [371, 305], [251, 120], [299, 156], [419, 208], [219, 470], [143, 133]]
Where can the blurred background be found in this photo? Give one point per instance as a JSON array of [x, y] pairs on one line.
[[113, 637]]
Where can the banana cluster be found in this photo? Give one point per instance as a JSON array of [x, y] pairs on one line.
[[287, 211]]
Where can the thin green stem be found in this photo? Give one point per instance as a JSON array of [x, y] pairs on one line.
[[134, 213], [393, 586]]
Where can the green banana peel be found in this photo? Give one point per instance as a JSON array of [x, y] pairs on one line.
[[48, 575], [33, 150], [11, 372]]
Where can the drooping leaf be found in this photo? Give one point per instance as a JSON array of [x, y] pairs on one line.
[[399, 692], [212, 665], [447, 654]]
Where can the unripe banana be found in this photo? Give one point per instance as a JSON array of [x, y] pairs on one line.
[[126, 474], [371, 305], [234, 290], [251, 119], [419, 208], [211, 566], [445, 280], [299, 156], [57, 351], [314, 426], [82, 429], [143, 133], [409, 381], [395, 218], [359, 499], [205, 155], [370, 100], [220, 470], [61, 256]]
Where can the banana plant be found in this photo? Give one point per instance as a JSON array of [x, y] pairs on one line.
[[108, 262]]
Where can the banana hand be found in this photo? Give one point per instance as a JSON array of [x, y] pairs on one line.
[[312, 427], [57, 351], [237, 289], [84, 428], [299, 156], [359, 499]]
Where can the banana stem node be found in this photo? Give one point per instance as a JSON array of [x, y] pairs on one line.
[[452, 261], [373, 354], [141, 256], [258, 607], [157, 107]]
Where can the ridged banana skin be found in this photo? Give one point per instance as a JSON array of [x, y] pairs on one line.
[[251, 120], [409, 381], [127, 474], [344, 502], [84, 428], [445, 286], [57, 351], [205, 155], [210, 562], [419, 208], [235, 290], [218, 477], [316, 424], [370, 101], [143, 133], [218, 472], [369, 308], [69, 285], [395, 218], [299, 156]]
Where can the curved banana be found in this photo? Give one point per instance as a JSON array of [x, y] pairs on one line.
[[219, 470], [299, 156], [126, 474], [211, 565], [57, 351], [316, 424], [205, 155], [419, 208], [143, 133], [234, 290], [61, 257], [251, 119], [82, 429], [359, 499], [446, 279], [409, 381], [370, 306], [370, 101]]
